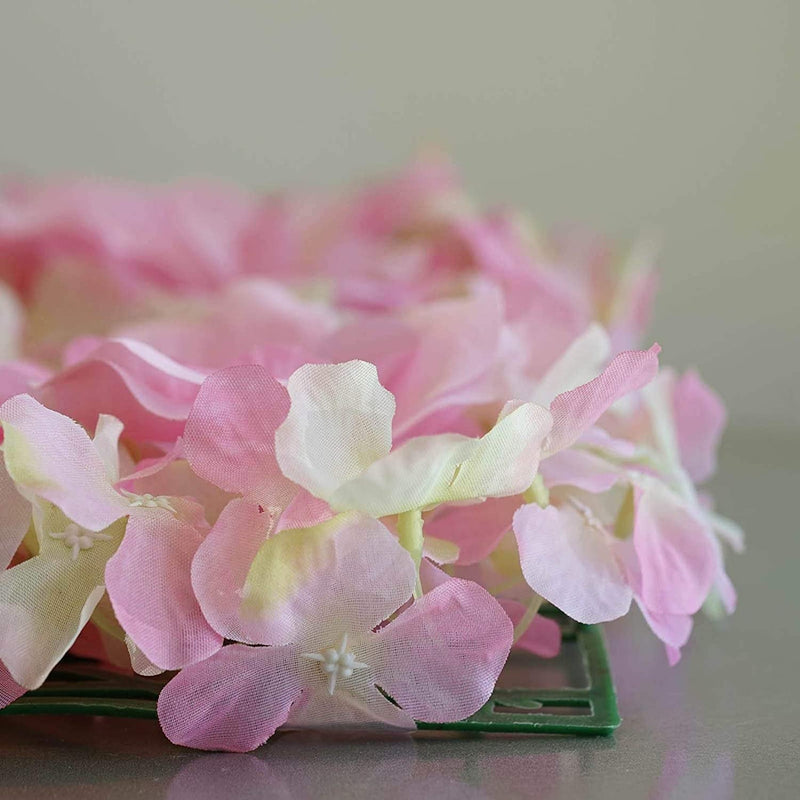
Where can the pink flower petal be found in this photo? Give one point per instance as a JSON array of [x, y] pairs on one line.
[[222, 563], [234, 700], [172, 476], [148, 391], [345, 575], [532, 290], [476, 528], [673, 629], [577, 365], [358, 705], [48, 455], [149, 584], [600, 439], [447, 420], [440, 659], [700, 419], [232, 327], [230, 433], [543, 635], [580, 469], [18, 377], [677, 558], [570, 564], [304, 511], [431, 575], [10, 690], [394, 203], [577, 410], [369, 277], [148, 467], [427, 368], [384, 339], [182, 238], [448, 370]]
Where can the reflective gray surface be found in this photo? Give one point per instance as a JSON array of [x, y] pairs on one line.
[[724, 723]]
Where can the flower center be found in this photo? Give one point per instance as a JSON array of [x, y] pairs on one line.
[[77, 538], [336, 662], [148, 500]]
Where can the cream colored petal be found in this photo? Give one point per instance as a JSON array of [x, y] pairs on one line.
[[340, 422], [448, 468], [47, 600]]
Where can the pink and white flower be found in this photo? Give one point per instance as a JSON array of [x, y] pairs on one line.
[[90, 535], [319, 596]]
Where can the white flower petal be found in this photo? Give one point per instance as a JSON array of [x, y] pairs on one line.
[[448, 468], [340, 422]]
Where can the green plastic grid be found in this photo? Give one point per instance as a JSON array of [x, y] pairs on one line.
[[80, 687]]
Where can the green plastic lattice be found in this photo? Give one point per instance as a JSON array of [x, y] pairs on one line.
[[80, 687]]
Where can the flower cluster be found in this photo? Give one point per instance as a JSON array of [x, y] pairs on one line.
[[324, 457]]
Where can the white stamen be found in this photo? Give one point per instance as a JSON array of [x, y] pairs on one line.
[[336, 662], [77, 538], [148, 500]]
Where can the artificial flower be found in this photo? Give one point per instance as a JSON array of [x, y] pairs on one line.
[[89, 534], [318, 594], [311, 403], [632, 523], [336, 441]]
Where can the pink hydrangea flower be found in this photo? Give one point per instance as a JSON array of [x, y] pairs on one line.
[[336, 442], [229, 441], [91, 536], [418, 407], [318, 595], [576, 397], [627, 524], [577, 554]]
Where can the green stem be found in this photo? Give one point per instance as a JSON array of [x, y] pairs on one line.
[[537, 492], [409, 530], [528, 617]]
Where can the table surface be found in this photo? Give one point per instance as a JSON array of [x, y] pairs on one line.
[[724, 723]]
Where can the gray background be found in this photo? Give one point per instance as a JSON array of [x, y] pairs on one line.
[[678, 117]]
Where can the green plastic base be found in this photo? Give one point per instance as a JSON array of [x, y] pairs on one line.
[[79, 687]]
